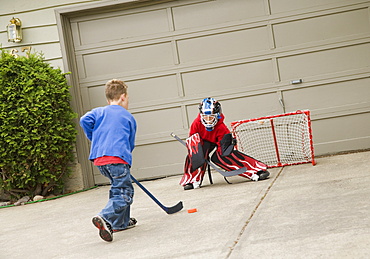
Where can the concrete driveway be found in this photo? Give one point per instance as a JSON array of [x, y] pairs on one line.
[[301, 211]]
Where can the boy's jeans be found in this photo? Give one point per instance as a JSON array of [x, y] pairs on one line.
[[117, 210]]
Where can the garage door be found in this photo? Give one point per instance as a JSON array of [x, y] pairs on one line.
[[257, 57]]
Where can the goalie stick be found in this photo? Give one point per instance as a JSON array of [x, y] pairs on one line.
[[168, 210], [223, 173]]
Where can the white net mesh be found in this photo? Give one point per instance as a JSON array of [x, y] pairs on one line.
[[276, 140]]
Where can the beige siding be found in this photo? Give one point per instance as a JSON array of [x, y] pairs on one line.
[[19, 6], [39, 27]]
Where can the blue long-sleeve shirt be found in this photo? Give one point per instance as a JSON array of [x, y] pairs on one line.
[[111, 130]]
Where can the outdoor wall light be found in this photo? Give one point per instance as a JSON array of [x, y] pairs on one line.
[[14, 30]]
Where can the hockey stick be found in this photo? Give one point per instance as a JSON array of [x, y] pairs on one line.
[[168, 210], [224, 173]]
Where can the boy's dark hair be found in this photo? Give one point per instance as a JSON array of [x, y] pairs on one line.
[[114, 89]]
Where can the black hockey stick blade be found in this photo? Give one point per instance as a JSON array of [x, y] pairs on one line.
[[168, 210], [174, 209], [223, 173]]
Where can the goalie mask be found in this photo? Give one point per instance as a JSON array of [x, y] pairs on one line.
[[210, 112]]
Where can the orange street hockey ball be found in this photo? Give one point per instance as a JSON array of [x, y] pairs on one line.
[[192, 210]]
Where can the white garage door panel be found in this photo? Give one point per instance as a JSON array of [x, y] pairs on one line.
[[218, 80], [145, 92], [98, 177], [251, 107], [192, 112], [341, 133], [215, 12], [123, 26], [325, 62], [151, 123], [322, 28], [161, 159], [279, 6], [331, 98], [96, 95], [128, 60], [223, 45], [151, 91]]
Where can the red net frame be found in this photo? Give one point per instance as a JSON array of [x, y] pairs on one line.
[[278, 140]]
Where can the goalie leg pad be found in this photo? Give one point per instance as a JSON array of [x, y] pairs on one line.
[[195, 151], [192, 175], [238, 160]]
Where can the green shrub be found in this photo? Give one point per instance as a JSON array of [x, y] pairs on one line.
[[37, 132]]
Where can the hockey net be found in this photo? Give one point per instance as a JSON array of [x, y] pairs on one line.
[[278, 140]]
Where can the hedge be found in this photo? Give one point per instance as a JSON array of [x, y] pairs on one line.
[[37, 130]]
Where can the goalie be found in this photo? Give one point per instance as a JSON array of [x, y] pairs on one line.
[[208, 132]]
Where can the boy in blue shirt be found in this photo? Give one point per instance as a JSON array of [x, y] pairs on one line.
[[111, 130]]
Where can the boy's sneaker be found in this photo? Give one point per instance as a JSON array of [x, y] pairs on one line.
[[263, 175], [105, 229], [131, 224]]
